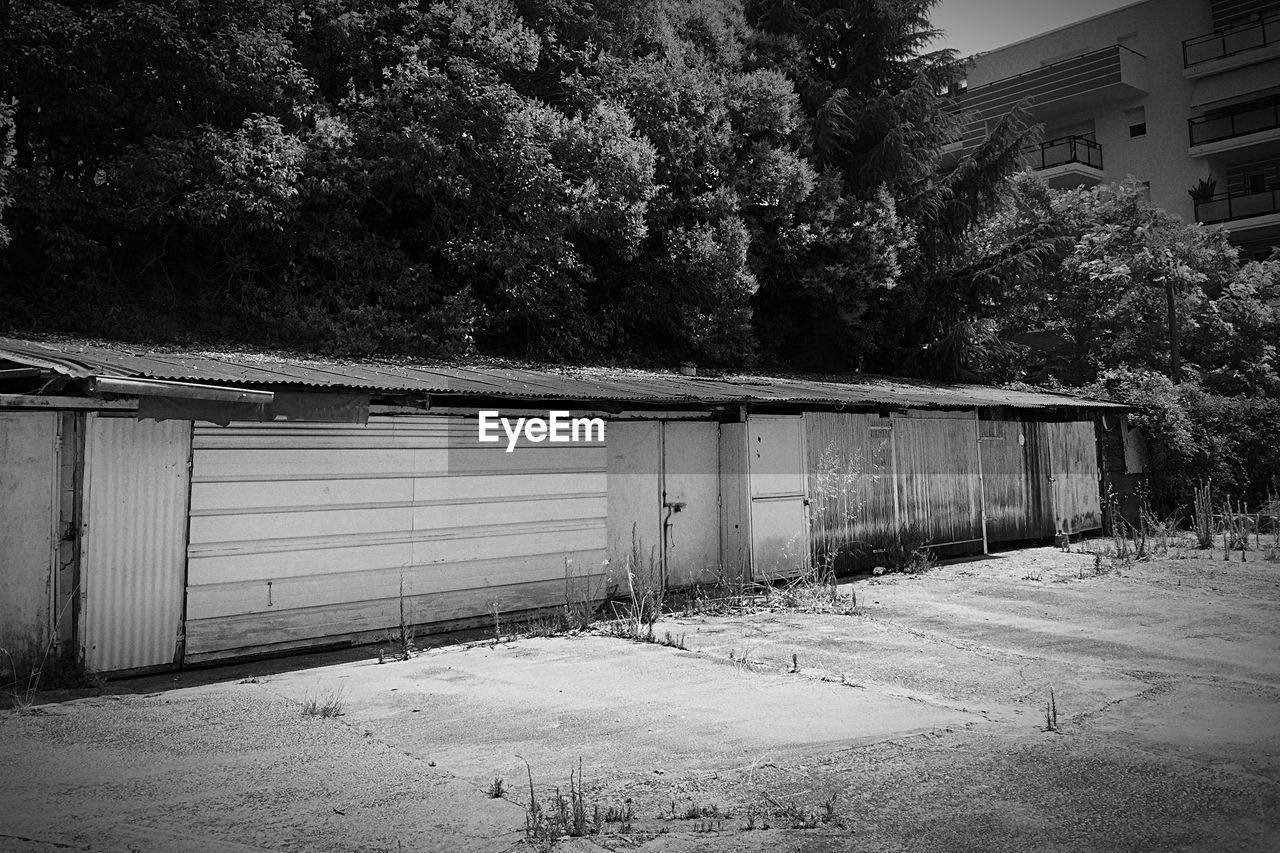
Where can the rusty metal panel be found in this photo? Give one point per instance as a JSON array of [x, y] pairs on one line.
[[305, 533], [1016, 481], [134, 527], [937, 476], [851, 488], [1073, 451]]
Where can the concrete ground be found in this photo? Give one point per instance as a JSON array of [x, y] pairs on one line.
[[915, 723]]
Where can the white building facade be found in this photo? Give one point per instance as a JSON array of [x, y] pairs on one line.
[[1183, 95]]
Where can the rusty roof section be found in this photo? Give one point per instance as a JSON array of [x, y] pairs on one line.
[[83, 360]]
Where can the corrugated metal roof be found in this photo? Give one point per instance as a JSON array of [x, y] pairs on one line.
[[82, 360]]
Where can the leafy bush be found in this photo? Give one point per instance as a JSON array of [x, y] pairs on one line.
[[1193, 436]]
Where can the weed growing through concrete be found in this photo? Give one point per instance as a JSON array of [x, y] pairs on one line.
[[570, 816], [744, 659], [497, 623], [24, 690], [672, 641], [769, 813], [497, 788], [1051, 713], [1202, 515], [402, 636], [326, 704], [40, 659]]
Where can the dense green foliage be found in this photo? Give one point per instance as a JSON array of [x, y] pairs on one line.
[[1078, 290], [652, 181], [1197, 437], [1085, 277]]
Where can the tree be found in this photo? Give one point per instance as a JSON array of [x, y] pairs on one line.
[[532, 179], [877, 123], [1093, 267]]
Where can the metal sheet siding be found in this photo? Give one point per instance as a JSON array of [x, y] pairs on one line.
[[937, 476], [301, 533], [851, 488], [635, 501], [735, 502], [777, 472], [1073, 451], [1016, 481], [691, 498], [134, 531], [28, 518]]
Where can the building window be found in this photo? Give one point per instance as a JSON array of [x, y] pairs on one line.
[[1250, 178], [1137, 120]]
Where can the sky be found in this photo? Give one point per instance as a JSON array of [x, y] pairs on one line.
[[978, 25]]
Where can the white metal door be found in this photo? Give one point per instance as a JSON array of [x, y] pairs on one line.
[[691, 502], [779, 512], [635, 502], [133, 551]]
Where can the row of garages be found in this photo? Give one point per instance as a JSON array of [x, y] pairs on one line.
[[139, 542]]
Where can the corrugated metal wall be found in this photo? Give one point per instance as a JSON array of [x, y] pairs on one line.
[[1035, 477], [936, 458], [1073, 451], [304, 532], [850, 484], [1016, 481], [133, 535]]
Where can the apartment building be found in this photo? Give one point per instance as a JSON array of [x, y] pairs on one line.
[[1183, 95]]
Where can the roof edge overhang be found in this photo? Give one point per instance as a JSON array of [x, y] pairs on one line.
[[96, 370]]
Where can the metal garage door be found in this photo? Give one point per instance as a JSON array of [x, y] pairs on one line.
[[305, 532]]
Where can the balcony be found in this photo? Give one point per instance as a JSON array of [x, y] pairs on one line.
[[1241, 212], [1234, 47], [1091, 80], [1239, 126], [1066, 162]]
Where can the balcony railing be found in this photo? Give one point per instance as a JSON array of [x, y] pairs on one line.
[[1103, 74], [1239, 120], [1226, 207], [1223, 43], [1063, 150]]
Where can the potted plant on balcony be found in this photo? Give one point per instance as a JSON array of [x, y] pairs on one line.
[[1203, 190]]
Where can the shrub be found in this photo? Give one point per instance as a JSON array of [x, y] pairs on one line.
[[1194, 436]]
